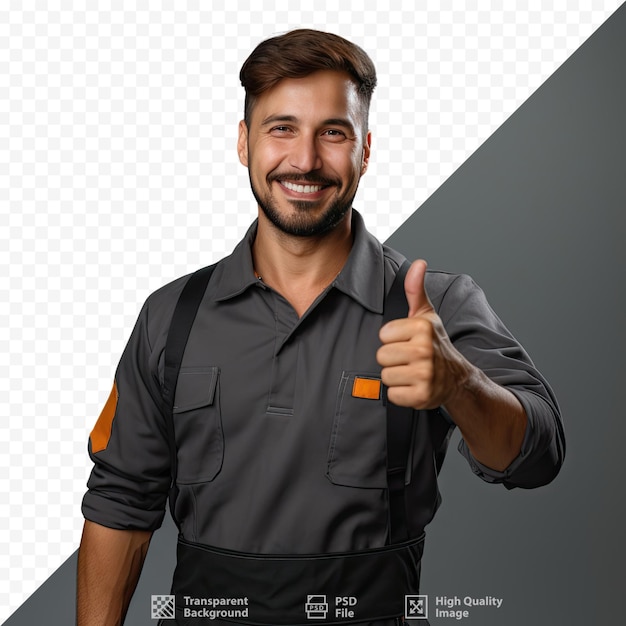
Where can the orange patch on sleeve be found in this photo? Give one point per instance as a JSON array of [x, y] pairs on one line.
[[101, 432], [368, 388]]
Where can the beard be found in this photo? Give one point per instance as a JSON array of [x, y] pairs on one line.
[[304, 223]]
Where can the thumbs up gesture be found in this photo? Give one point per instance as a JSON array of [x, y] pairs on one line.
[[420, 366]]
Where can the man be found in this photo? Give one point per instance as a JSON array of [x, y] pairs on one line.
[[282, 487]]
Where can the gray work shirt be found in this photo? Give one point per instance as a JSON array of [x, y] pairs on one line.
[[281, 433]]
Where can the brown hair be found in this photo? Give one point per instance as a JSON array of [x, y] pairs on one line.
[[297, 54]]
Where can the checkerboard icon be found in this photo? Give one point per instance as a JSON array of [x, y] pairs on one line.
[[163, 607], [415, 607]]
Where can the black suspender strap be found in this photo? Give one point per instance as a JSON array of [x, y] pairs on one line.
[[399, 425], [399, 419], [177, 336]]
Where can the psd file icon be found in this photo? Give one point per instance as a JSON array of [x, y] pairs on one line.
[[316, 607], [415, 607]]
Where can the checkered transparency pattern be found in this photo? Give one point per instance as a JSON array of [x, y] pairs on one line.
[[118, 173], [163, 607]]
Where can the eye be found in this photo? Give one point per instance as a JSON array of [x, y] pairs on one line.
[[334, 134], [280, 130]]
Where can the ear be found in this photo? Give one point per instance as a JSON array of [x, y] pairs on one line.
[[242, 143], [366, 152]]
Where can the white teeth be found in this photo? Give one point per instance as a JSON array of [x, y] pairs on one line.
[[301, 188]]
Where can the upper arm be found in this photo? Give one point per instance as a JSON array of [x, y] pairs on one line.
[[130, 479]]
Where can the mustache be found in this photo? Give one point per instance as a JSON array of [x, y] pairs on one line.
[[312, 179]]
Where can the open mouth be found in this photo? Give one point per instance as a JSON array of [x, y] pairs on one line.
[[302, 189]]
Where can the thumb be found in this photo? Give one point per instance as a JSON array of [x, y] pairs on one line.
[[416, 295]]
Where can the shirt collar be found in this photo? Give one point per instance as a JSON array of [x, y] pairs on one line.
[[362, 277]]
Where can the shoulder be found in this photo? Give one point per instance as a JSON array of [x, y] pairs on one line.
[[446, 289], [169, 292], [439, 284], [164, 299], [159, 306], [451, 294]]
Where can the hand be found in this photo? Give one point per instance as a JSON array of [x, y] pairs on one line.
[[421, 367]]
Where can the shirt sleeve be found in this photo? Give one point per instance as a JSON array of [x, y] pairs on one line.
[[477, 332], [130, 480]]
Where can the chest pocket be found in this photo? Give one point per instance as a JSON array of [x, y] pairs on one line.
[[198, 425], [357, 455]]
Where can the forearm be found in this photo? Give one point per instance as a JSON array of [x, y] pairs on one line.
[[109, 564], [490, 418]]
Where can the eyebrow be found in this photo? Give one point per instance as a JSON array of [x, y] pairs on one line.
[[332, 121]]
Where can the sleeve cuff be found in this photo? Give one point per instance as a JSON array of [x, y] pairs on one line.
[[490, 475], [112, 513]]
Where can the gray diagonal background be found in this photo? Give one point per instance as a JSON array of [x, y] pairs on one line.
[[536, 215]]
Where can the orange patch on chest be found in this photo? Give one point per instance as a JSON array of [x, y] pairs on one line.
[[368, 388]]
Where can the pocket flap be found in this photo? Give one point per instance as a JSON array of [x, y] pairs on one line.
[[195, 388]]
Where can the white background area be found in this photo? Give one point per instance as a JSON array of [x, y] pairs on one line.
[[118, 173]]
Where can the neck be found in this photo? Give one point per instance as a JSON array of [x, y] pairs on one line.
[[300, 268]]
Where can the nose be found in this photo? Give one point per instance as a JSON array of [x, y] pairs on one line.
[[304, 154]]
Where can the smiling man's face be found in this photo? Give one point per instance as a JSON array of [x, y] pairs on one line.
[[306, 150]]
